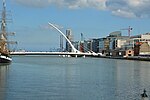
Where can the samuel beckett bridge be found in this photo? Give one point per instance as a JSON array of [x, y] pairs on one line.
[[74, 53]]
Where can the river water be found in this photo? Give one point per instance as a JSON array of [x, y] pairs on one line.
[[58, 78]]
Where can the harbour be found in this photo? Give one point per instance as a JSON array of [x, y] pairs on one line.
[[101, 64]]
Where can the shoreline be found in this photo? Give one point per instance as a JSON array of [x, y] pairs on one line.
[[137, 58]]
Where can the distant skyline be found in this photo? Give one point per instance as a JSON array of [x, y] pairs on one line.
[[93, 18]]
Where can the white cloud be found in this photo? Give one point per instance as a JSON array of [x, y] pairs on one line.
[[134, 3], [122, 13], [124, 8], [129, 8], [72, 4]]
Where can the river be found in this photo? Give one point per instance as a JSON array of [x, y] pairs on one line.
[[58, 78]]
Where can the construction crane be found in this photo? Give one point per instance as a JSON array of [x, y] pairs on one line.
[[129, 30]]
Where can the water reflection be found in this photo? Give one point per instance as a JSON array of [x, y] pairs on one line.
[[3, 81], [45, 78], [132, 78]]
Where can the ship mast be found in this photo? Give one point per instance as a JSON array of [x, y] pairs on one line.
[[3, 34], [3, 22]]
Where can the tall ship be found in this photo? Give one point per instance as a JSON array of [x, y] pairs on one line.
[[4, 43]]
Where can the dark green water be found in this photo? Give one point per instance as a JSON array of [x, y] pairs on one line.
[[57, 78]]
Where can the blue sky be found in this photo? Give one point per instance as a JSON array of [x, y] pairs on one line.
[[93, 18]]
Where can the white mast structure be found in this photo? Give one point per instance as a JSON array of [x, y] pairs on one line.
[[3, 34], [4, 43], [74, 49]]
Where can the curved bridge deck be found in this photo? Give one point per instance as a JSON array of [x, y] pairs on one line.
[[54, 53]]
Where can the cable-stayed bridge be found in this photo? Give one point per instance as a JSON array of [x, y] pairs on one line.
[[74, 53], [65, 54]]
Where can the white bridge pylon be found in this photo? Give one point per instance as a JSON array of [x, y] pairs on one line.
[[74, 49]]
